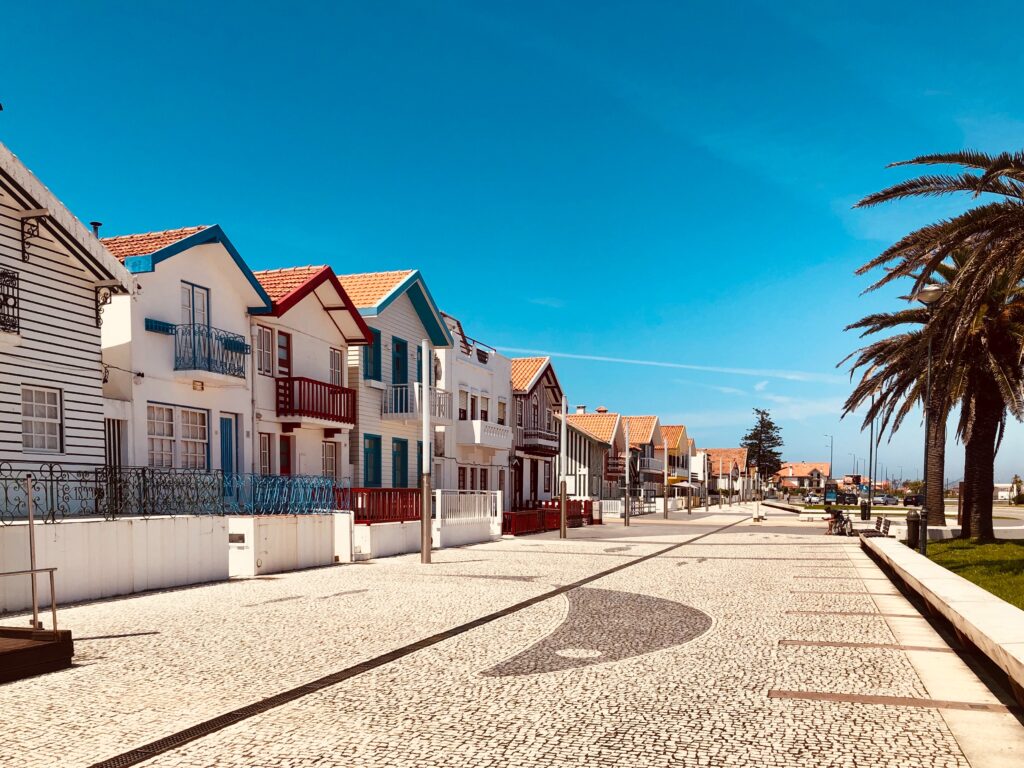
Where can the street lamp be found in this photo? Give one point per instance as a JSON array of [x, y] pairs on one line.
[[831, 445], [928, 296]]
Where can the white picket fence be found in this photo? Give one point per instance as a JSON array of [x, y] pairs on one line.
[[466, 517]]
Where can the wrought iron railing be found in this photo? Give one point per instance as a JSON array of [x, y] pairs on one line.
[[111, 493], [300, 396], [10, 315], [404, 401], [200, 347]]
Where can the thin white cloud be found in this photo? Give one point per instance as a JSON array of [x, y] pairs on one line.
[[761, 386], [810, 376]]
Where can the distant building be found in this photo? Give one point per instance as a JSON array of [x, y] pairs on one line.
[[801, 474]]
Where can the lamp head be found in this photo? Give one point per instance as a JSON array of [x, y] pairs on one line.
[[930, 294]]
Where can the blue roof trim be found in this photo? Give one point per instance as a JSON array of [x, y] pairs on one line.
[[214, 234], [423, 303]]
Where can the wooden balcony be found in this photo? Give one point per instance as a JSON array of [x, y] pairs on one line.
[[536, 441], [651, 465], [318, 401]]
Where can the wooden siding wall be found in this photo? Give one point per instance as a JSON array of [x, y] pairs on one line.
[[60, 346]]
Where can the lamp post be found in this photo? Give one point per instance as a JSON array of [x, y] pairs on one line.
[[831, 446], [625, 496], [562, 469], [426, 522], [927, 296], [664, 474]]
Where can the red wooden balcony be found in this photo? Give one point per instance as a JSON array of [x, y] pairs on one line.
[[383, 505], [305, 398]]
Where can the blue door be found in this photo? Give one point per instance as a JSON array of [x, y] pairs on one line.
[[227, 444], [400, 376], [399, 463]]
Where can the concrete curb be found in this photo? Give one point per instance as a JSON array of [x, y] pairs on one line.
[[978, 617]]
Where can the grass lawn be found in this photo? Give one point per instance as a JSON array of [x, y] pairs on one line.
[[998, 567]]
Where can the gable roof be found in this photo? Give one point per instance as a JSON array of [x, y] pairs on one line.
[[145, 243], [526, 371], [28, 191], [729, 457], [287, 287], [642, 429], [137, 256], [373, 292], [675, 436], [802, 468], [600, 426]]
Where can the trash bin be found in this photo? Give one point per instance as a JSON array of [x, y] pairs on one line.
[[913, 528], [865, 510]]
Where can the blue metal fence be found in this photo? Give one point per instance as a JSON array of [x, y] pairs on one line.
[[111, 493]]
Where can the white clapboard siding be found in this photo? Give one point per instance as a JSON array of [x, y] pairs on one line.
[[59, 348], [398, 319]]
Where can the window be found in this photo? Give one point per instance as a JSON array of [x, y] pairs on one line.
[[42, 430], [284, 454], [160, 435], [266, 462], [549, 423], [547, 477], [371, 461], [483, 478], [501, 480], [463, 405], [264, 350], [485, 408], [337, 378], [399, 462], [519, 413], [194, 439], [329, 459], [472, 478], [419, 364], [501, 412], [462, 478], [472, 407], [195, 305], [371, 357], [535, 422], [284, 354]]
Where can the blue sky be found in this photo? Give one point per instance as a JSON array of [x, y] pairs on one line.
[[642, 181]]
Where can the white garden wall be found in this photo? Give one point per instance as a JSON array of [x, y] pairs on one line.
[[262, 544], [104, 558], [386, 539]]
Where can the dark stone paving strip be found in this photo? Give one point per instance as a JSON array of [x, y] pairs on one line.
[[207, 727], [854, 577], [858, 613], [890, 701], [885, 646]]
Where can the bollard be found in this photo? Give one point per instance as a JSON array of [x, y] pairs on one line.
[[865, 510], [913, 528]]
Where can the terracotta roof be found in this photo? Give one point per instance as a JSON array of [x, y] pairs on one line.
[[729, 456], [600, 426], [368, 289], [525, 371], [145, 243], [802, 468], [671, 433], [279, 283], [641, 429]]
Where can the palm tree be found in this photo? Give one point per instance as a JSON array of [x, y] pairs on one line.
[[977, 365]]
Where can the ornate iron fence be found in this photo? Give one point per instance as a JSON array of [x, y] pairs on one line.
[[203, 348], [9, 312], [111, 493]]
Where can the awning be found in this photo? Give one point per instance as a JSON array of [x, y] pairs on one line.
[[684, 484]]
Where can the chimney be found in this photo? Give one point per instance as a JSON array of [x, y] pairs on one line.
[[601, 409], [581, 409], [96, 228]]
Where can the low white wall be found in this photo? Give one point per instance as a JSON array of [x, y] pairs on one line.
[[386, 539], [465, 532], [263, 544], [103, 558]]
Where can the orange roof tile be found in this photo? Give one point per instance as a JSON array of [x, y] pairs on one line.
[[802, 468], [279, 283], [525, 371], [728, 456], [600, 426], [641, 429], [123, 246], [368, 289], [671, 434]]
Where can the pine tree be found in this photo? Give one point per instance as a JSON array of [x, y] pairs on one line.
[[763, 443]]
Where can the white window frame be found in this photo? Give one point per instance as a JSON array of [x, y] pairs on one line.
[[42, 421], [329, 459], [182, 441], [195, 438], [265, 350], [337, 367], [266, 453], [160, 434]]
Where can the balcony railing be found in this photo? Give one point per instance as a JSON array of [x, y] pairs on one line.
[[309, 398], [385, 505], [651, 464], [402, 401], [10, 315], [483, 433], [614, 466], [203, 348], [537, 440]]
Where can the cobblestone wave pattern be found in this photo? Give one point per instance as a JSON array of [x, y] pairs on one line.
[[603, 626]]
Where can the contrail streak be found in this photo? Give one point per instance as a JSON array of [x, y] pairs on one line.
[[761, 372]]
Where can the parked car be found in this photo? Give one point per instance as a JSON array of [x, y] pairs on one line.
[[812, 498], [913, 500], [888, 501], [847, 498]]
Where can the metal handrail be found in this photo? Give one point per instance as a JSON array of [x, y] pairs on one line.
[[35, 598]]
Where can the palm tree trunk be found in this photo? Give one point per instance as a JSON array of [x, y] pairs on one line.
[[935, 470], [967, 501], [980, 451]]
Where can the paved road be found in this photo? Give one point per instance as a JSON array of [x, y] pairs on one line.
[[706, 640]]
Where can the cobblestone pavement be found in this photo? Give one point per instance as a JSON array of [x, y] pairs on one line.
[[669, 661]]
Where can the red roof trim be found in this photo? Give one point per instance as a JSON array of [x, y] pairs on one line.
[[324, 275]]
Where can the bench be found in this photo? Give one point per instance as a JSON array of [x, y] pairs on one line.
[[881, 528]]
